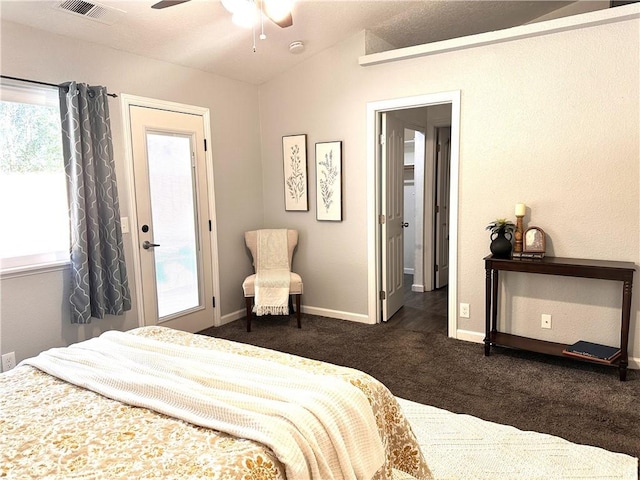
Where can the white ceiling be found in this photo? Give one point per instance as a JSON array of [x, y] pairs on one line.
[[200, 34]]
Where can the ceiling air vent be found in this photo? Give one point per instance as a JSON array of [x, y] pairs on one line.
[[91, 10]]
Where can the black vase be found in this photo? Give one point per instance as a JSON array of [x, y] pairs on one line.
[[500, 244]]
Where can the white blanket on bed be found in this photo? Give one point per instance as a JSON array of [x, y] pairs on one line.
[[318, 427]]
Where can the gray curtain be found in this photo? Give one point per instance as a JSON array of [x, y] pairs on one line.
[[99, 283]]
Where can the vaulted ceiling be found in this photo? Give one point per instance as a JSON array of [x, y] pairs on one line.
[[200, 34]]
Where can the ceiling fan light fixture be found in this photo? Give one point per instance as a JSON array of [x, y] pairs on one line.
[[245, 18], [232, 5], [244, 12], [278, 9]]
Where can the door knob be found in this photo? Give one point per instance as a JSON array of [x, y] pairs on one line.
[[405, 224], [147, 244]]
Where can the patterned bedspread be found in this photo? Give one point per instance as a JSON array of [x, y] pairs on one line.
[[52, 429]]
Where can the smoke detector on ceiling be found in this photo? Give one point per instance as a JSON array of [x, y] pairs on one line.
[[90, 10], [296, 47]]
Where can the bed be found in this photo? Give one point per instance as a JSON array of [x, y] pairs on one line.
[[144, 422]]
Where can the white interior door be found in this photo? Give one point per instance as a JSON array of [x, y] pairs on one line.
[[173, 221], [392, 208], [443, 172]]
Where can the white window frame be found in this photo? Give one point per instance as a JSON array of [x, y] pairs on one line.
[[17, 91]]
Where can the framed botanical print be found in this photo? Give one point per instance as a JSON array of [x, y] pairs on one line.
[[329, 181], [294, 159]]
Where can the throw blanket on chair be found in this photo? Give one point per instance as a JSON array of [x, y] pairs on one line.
[[272, 273]]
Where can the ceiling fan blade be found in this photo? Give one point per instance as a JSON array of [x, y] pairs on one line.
[[277, 15], [168, 3], [282, 22]]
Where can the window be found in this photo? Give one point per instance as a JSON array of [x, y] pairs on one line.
[[33, 197]]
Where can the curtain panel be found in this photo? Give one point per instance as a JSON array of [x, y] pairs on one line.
[[99, 282]]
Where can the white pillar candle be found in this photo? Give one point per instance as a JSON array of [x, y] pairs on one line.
[[520, 209]]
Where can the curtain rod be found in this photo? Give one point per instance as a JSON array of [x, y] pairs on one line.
[[44, 83]]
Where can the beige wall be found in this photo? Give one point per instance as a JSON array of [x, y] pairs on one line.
[[552, 121], [33, 311]]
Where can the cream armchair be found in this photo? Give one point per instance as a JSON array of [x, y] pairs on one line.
[[295, 281]]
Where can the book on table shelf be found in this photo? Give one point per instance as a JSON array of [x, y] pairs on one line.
[[593, 351], [526, 255]]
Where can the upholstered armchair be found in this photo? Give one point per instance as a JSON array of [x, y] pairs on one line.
[[250, 285]]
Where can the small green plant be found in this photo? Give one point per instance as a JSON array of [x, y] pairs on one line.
[[502, 224]]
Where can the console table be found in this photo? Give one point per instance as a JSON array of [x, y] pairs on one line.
[[569, 267]]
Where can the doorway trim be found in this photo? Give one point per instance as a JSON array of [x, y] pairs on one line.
[[134, 100], [374, 109]]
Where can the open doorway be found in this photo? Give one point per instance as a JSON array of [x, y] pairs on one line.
[[425, 287], [424, 115], [426, 175], [427, 156]]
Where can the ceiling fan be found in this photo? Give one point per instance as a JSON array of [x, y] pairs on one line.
[[278, 11]]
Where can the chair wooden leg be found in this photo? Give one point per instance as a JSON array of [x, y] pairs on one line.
[[298, 309], [248, 300]]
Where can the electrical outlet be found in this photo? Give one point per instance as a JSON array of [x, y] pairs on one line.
[[545, 321], [8, 361], [464, 310]]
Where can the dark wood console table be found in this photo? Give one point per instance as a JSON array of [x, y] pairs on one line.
[[569, 267]]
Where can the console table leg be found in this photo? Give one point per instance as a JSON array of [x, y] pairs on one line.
[[623, 373], [494, 300], [624, 330], [487, 303]]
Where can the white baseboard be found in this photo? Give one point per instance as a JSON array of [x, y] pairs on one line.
[[233, 316], [325, 312], [417, 288], [470, 336], [409, 271], [322, 312]]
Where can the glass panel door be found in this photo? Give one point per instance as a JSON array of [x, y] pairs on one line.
[[172, 187], [172, 200]]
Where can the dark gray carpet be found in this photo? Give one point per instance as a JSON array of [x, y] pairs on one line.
[[583, 403]]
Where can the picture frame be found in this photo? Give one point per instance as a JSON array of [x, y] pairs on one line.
[[534, 241], [329, 181], [296, 183]]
